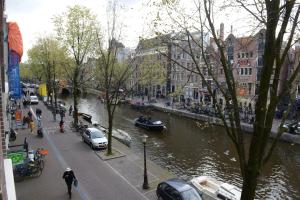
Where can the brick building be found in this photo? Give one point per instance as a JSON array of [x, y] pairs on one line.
[[172, 52]]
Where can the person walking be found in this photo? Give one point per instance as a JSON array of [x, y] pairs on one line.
[[54, 114], [69, 177], [62, 115], [70, 110]]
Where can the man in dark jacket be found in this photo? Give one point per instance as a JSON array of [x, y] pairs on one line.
[[69, 177]]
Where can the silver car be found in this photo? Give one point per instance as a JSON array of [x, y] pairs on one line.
[[95, 138]]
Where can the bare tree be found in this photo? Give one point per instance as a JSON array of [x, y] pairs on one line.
[[113, 72], [279, 19]]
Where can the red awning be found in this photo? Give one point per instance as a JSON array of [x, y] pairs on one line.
[[15, 41]]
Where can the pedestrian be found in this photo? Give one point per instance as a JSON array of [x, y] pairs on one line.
[[31, 125], [70, 110], [54, 114], [24, 121], [62, 115], [30, 115], [69, 177]]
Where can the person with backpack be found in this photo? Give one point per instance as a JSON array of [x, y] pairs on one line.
[[69, 177]]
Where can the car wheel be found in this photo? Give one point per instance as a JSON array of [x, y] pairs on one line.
[[92, 146], [159, 197]]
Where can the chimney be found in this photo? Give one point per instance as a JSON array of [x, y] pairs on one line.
[[222, 31], [231, 27]]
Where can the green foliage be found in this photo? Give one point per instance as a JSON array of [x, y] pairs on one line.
[[25, 71], [152, 71], [46, 57], [76, 30]]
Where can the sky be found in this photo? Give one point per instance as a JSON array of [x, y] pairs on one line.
[[34, 17]]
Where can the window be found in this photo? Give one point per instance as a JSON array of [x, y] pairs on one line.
[[247, 55], [251, 54], [243, 55], [239, 55], [249, 88], [242, 71], [246, 71], [250, 71]]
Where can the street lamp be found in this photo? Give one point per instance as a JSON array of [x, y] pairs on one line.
[[145, 184]]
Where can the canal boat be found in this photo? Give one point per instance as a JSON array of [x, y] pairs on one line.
[[122, 136], [152, 125], [118, 134], [139, 105], [86, 117], [216, 189]]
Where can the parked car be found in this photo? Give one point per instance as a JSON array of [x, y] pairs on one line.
[[293, 128], [176, 189], [34, 100], [95, 138]]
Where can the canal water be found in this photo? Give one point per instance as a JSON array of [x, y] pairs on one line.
[[190, 148]]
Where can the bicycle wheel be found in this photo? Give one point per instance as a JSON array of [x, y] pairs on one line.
[[36, 171], [19, 178], [19, 175], [41, 164]]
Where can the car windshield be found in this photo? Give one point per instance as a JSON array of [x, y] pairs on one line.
[[191, 194], [33, 97], [96, 134]]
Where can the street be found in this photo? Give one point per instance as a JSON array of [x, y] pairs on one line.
[[97, 179]]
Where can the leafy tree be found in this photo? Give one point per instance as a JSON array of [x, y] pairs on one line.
[[45, 59], [75, 29], [152, 73], [280, 20], [25, 72]]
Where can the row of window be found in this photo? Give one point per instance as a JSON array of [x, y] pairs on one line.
[[245, 55], [180, 77], [245, 71], [241, 71]]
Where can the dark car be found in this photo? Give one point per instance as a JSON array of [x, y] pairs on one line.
[[176, 189]]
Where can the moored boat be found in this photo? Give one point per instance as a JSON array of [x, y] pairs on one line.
[[86, 117], [118, 134], [139, 105], [216, 189], [152, 125], [122, 136]]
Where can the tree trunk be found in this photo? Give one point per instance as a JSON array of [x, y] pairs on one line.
[[75, 97], [110, 125], [249, 183]]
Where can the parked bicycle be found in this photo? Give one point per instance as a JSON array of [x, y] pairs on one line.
[[32, 167]]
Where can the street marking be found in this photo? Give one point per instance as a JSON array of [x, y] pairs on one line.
[[133, 187], [80, 190]]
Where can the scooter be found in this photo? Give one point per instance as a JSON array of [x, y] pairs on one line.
[[61, 126], [40, 133]]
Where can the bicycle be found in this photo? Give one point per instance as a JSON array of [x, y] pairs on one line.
[[29, 169]]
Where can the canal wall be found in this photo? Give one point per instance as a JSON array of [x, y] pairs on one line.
[[216, 121]]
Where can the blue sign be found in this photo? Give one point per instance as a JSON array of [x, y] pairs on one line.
[[13, 74]]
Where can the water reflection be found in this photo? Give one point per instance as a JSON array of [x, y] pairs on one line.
[[189, 148]]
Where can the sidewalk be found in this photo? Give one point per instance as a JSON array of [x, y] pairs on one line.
[[118, 178]]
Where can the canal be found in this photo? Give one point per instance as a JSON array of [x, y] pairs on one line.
[[190, 148]]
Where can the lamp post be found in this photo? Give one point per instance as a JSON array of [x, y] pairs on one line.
[[145, 184]]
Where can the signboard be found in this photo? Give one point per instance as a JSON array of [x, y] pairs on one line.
[[16, 157], [18, 118], [13, 74]]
